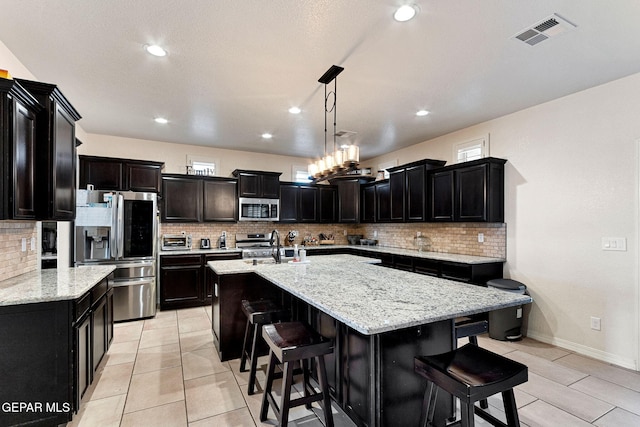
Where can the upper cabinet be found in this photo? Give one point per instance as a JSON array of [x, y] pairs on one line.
[[408, 190], [18, 112], [107, 173], [468, 192], [188, 198], [299, 202], [258, 184], [56, 148], [348, 200]]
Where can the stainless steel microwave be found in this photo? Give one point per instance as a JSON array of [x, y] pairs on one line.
[[259, 209]]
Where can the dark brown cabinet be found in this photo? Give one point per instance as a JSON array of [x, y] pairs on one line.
[[348, 200], [298, 202], [327, 203], [18, 111], [185, 280], [188, 198], [408, 190], [368, 203], [107, 173], [468, 192], [56, 152], [258, 184], [383, 201]]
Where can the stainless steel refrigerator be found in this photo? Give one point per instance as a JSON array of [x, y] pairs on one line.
[[121, 228]]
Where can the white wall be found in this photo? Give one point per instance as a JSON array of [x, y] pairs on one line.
[[571, 179], [175, 155]]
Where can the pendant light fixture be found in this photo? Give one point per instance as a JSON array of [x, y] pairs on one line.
[[339, 159]]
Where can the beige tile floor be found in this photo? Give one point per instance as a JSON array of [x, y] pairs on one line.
[[165, 372]]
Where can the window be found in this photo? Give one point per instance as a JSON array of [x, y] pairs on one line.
[[471, 150], [197, 165], [300, 173]]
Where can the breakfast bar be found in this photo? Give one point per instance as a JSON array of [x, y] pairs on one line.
[[379, 318]]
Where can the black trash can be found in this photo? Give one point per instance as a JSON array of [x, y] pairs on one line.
[[505, 324]]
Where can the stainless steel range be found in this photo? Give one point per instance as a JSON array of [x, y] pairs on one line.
[[254, 245]]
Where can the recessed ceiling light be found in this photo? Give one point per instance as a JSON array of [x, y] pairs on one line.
[[267, 135], [161, 120], [155, 50], [422, 113], [405, 13], [295, 110]]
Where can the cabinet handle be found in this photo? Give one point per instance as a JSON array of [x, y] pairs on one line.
[[215, 290]]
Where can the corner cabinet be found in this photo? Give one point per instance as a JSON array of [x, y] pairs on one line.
[[468, 192], [258, 183], [56, 148], [18, 112], [188, 198], [115, 174]]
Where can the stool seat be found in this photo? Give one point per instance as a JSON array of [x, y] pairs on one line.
[[260, 312], [292, 342], [472, 373]]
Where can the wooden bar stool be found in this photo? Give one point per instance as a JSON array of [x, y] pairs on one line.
[[289, 343], [471, 327], [471, 373], [258, 313]]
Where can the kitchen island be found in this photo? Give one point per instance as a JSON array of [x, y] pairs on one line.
[[55, 327], [379, 318]]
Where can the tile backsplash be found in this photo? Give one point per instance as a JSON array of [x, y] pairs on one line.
[[449, 238], [13, 261]]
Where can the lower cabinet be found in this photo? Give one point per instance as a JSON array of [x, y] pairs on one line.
[[49, 355], [184, 280]]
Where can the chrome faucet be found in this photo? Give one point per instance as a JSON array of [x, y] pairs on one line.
[[275, 255]]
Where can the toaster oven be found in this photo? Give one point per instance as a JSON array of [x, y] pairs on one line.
[[176, 242]]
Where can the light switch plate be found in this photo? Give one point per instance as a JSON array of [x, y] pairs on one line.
[[614, 243]]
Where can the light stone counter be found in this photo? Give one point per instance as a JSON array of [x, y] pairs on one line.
[[373, 299], [52, 284], [440, 256], [197, 251]]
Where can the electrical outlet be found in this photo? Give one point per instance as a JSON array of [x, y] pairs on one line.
[[418, 234], [614, 244], [33, 243], [24, 244], [375, 233], [344, 232], [480, 237], [595, 323]]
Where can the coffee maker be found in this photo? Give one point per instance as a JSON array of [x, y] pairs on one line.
[[223, 240]]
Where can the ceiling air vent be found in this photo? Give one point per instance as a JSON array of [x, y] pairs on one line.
[[549, 27]]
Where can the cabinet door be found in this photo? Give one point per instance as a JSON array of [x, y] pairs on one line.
[[308, 204], [368, 204], [63, 192], [220, 200], [142, 177], [99, 331], [250, 185], [327, 203], [110, 317], [181, 199], [181, 281], [396, 195], [441, 196], [289, 202], [83, 373], [270, 186], [24, 152], [415, 193], [348, 201], [103, 174], [471, 193], [383, 207]]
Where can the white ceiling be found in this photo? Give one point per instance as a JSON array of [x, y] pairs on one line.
[[236, 66]]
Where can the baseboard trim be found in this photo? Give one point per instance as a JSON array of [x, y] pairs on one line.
[[586, 351]]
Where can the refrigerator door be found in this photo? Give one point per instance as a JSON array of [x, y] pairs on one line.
[[137, 225]]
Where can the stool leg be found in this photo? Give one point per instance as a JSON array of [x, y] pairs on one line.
[[267, 388], [324, 387], [306, 385], [466, 410], [287, 382], [510, 408], [429, 405], [243, 359], [253, 359]]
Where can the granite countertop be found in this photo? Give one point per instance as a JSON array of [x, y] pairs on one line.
[[372, 299], [440, 256], [54, 284], [197, 251]]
